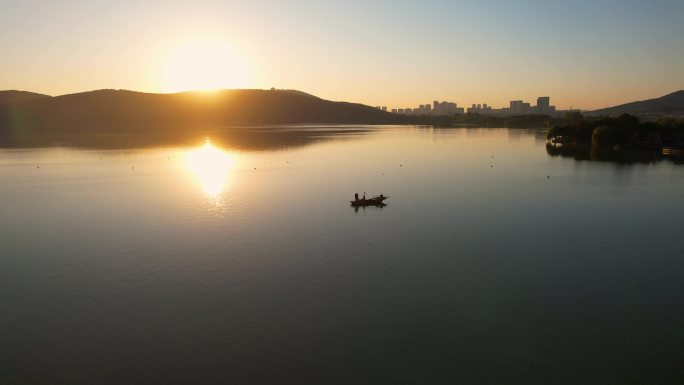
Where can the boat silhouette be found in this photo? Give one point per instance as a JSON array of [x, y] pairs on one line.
[[374, 201]]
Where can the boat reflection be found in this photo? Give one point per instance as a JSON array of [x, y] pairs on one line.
[[379, 205], [211, 167]]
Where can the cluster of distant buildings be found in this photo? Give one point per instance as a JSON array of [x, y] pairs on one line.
[[516, 107], [436, 108]]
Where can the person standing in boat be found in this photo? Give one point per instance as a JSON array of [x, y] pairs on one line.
[[356, 197]]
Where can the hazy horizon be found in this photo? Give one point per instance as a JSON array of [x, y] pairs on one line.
[[532, 100], [586, 55]]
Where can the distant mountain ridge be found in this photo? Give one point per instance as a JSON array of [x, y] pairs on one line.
[[665, 105], [121, 111]]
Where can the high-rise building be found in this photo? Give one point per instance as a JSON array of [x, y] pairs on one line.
[[543, 103], [526, 108]]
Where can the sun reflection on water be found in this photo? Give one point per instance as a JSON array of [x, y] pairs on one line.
[[211, 167]]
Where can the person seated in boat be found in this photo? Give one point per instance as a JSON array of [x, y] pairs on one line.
[[356, 197]]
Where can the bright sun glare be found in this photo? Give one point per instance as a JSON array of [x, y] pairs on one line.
[[205, 65], [211, 166]]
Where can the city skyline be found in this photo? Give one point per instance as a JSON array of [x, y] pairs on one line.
[[515, 107], [585, 54]]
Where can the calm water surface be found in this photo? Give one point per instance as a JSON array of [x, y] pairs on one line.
[[218, 263]]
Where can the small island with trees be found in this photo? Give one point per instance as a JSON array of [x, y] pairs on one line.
[[616, 138]]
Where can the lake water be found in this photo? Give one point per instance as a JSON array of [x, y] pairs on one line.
[[238, 260]]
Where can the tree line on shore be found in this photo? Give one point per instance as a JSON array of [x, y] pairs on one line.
[[479, 120], [573, 127], [624, 130]]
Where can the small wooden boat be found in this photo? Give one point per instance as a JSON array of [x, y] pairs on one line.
[[374, 201]]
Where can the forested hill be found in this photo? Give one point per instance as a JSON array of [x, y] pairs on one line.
[[664, 105], [14, 96], [121, 111]]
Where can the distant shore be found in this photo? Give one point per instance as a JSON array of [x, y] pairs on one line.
[[110, 118]]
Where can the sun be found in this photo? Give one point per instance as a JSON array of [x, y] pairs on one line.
[[204, 64]]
